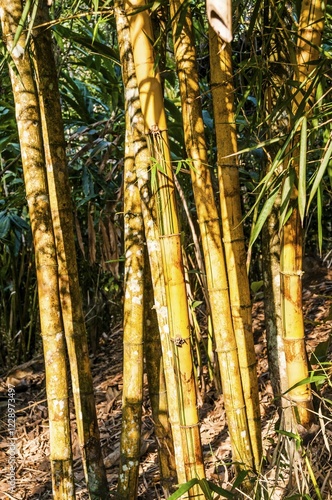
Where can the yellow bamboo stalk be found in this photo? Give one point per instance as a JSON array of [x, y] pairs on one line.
[[310, 29], [292, 319], [155, 121], [29, 129], [158, 391], [233, 237], [309, 39], [70, 295], [209, 224], [271, 233], [142, 161], [132, 397]]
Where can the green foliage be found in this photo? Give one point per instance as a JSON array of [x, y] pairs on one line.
[[207, 487]]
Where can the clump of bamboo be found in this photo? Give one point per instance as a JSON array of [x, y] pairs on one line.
[[233, 237], [309, 39], [29, 129], [70, 295], [209, 223], [142, 163], [179, 328]]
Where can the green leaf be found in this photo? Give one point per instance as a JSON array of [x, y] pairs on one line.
[[320, 353], [21, 23], [85, 39], [308, 380], [221, 491], [178, 168], [302, 170], [291, 435], [286, 194], [4, 226], [240, 478], [204, 485], [19, 222], [264, 213], [196, 303], [183, 489], [256, 286], [319, 217], [321, 170]]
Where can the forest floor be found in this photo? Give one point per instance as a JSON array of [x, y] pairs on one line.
[[33, 479]]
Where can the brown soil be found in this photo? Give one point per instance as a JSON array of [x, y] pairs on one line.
[[33, 471]]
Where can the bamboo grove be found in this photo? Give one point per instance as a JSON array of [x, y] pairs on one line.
[[285, 83]]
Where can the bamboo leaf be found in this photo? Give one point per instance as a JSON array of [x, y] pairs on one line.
[[240, 478], [319, 217], [256, 286], [289, 434], [205, 489], [221, 491], [265, 212], [19, 222], [286, 195], [308, 380], [4, 225], [265, 183], [302, 170], [178, 168], [324, 163], [196, 303], [183, 489], [313, 479], [85, 39], [32, 19], [21, 23]]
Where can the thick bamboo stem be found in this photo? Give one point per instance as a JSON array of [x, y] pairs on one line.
[[133, 327], [158, 392]]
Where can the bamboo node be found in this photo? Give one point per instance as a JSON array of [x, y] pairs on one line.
[[207, 221], [169, 235], [225, 351], [157, 393], [218, 289], [252, 365], [46, 265], [190, 426], [293, 339], [133, 343], [292, 273], [233, 241], [133, 214]]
